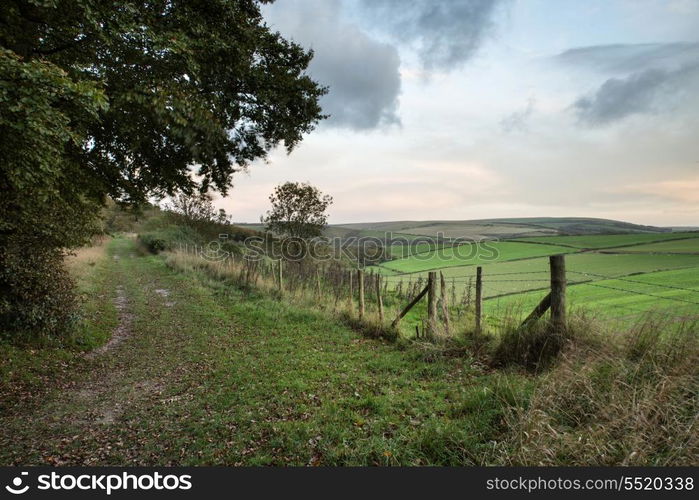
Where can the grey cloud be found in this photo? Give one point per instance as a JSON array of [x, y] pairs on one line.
[[625, 58], [648, 91], [362, 74], [444, 33], [649, 79]]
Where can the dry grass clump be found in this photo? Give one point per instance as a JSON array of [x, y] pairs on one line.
[[537, 346], [634, 401]]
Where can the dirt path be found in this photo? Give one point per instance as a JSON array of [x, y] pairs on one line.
[[115, 378]]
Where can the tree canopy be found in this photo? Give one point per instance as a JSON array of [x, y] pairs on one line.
[[133, 99], [298, 210]]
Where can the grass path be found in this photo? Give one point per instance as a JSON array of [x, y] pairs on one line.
[[206, 374]]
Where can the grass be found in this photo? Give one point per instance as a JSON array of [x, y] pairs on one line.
[[470, 254], [520, 276], [674, 294], [218, 374], [26, 372], [690, 245], [609, 240], [226, 376]]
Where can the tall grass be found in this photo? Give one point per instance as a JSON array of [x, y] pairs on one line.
[[631, 400]]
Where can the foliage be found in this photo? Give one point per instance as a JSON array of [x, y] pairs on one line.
[[298, 210], [120, 99], [197, 207], [153, 243], [37, 302]]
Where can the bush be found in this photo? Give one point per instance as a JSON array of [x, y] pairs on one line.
[[37, 299], [153, 243]]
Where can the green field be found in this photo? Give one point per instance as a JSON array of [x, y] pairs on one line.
[[690, 245], [672, 295], [530, 274], [608, 240], [471, 254], [663, 266]]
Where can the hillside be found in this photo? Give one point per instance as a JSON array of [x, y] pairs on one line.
[[497, 228]]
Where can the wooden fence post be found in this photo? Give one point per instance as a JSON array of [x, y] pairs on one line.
[[360, 285], [432, 302], [351, 291], [379, 300], [445, 306], [281, 283], [558, 291], [479, 298]]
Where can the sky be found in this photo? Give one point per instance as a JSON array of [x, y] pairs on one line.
[[468, 109]]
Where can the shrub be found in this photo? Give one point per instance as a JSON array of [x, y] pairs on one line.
[[153, 243], [37, 301]]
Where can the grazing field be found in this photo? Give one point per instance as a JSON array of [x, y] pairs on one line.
[[665, 266], [472, 254], [690, 245], [531, 274], [609, 240], [671, 295]]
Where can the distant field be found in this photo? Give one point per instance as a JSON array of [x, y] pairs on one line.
[[608, 240], [678, 246], [522, 275], [471, 254], [674, 294], [507, 228], [451, 229]]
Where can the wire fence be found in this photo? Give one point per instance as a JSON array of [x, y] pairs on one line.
[[499, 289], [495, 286]]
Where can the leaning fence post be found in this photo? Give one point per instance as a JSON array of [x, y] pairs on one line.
[[558, 291], [379, 300], [479, 298], [407, 308], [432, 302], [360, 286]]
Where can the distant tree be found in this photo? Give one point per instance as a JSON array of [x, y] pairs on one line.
[[298, 209], [130, 100], [197, 207]]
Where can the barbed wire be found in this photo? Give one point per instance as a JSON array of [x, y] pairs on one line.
[[621, 278], [632, 292]]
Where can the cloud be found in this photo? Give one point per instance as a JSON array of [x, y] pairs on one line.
[[648, 78], [362, 73], [444, 33], [517, 121], [627, 58]]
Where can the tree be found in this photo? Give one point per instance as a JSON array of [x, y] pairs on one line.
[[197, 207], [132, 100], [298, 210]]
